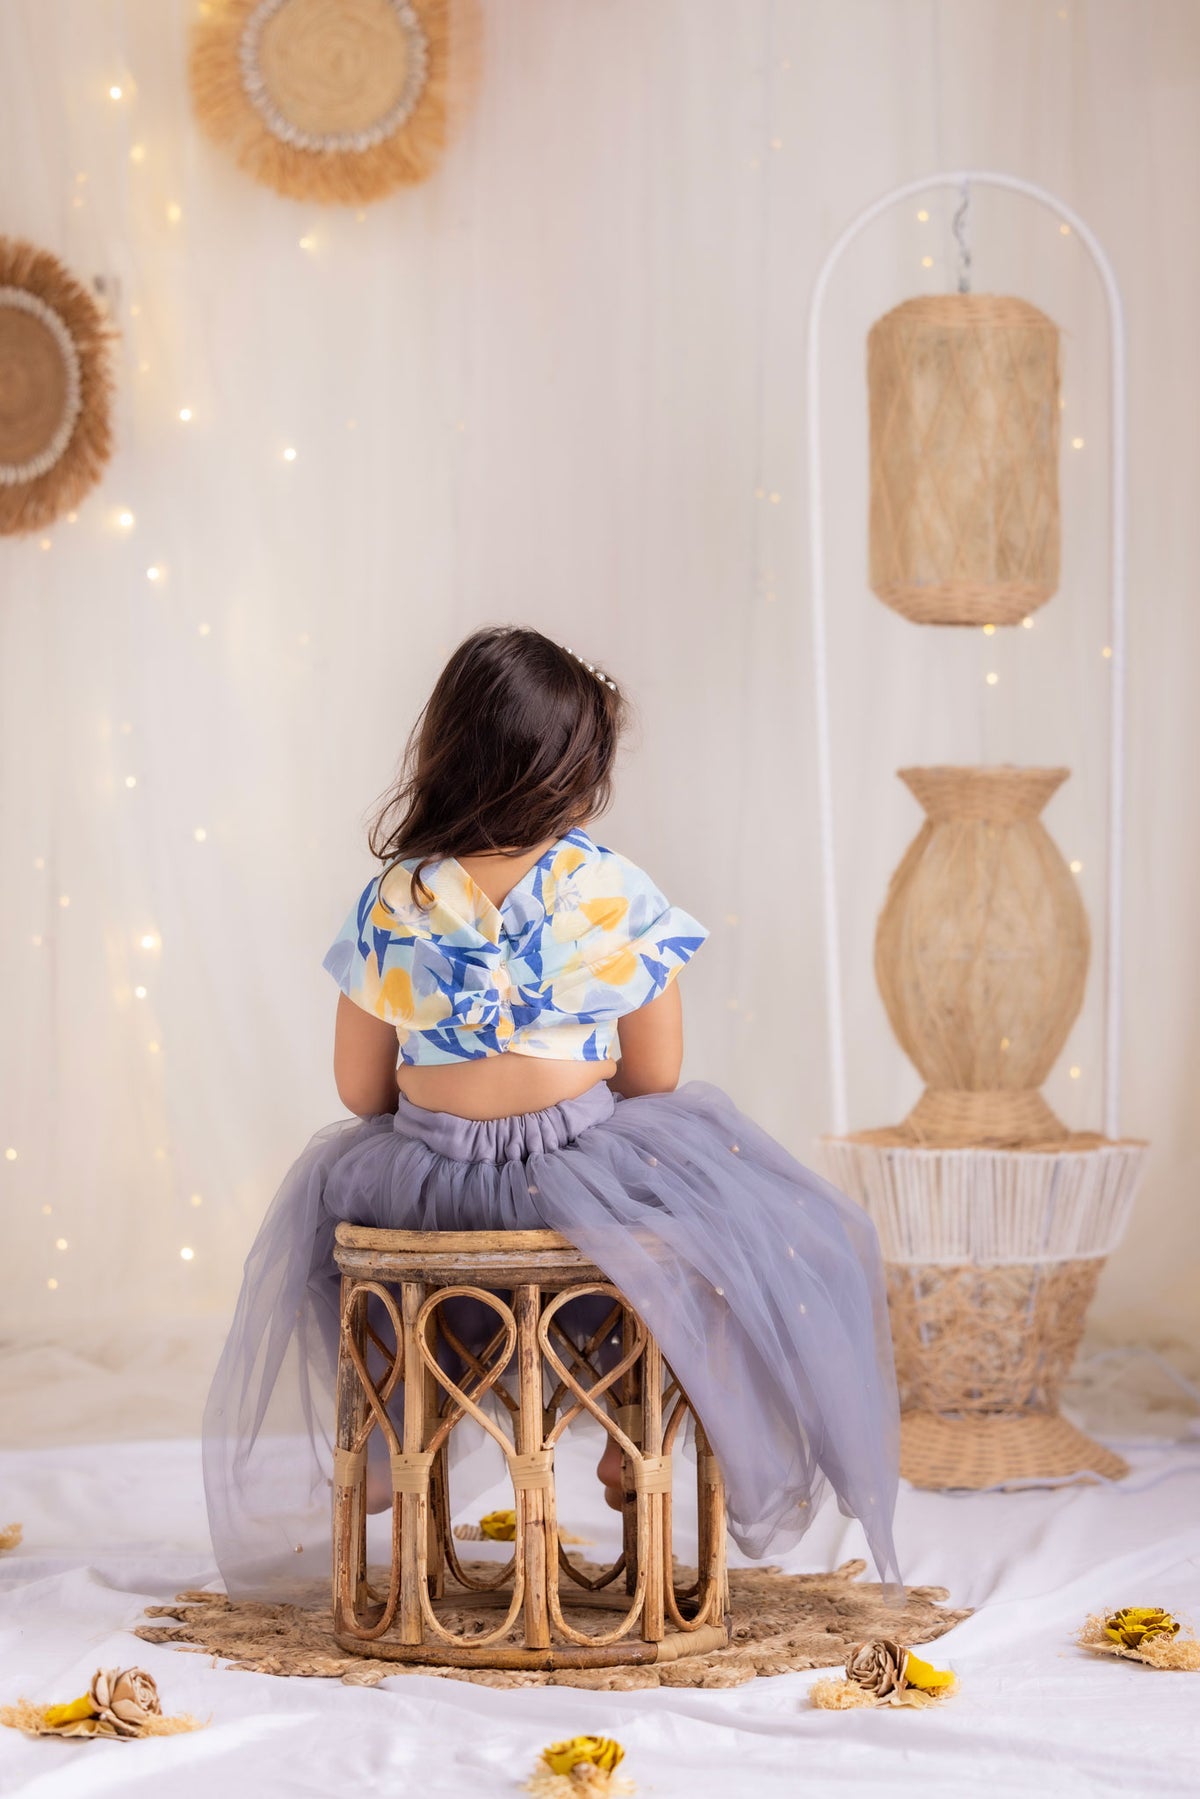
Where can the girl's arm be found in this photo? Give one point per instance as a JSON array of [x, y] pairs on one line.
[[365, 1053], [651, 1046]]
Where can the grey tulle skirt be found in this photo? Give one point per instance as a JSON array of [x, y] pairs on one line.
[[714, 1233]]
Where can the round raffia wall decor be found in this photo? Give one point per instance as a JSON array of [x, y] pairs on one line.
[[55, 388], [964, 459], [338, 101]]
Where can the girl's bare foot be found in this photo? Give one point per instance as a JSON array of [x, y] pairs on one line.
[[609, 1470]]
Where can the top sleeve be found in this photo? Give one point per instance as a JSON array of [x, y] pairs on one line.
[[629, 941], [355, 956]]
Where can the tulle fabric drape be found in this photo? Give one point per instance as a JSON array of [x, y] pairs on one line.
[[762, 1284]]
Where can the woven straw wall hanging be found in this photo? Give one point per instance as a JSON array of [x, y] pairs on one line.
[[964, 416], [55, 388], [337, 101]]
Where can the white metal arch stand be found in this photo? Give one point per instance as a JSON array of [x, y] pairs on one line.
[[1117, 518]]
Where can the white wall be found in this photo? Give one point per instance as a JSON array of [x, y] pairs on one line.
[[562, 384]]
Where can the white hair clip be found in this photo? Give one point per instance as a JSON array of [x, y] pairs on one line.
[[591, 668]]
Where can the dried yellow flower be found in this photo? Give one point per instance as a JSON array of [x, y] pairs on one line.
[[595, 1752], [500, 1527], [1134, 1623]]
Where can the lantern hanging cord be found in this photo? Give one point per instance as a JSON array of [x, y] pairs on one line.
[[960, 222]]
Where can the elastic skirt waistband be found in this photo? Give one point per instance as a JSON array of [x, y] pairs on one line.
[[509, 1139]]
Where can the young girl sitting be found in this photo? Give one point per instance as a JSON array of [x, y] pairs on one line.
[[509, 1032]]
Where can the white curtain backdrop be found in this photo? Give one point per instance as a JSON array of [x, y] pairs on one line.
[[562, 383]]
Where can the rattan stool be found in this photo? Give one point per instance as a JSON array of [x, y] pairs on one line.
[[553, 1610]]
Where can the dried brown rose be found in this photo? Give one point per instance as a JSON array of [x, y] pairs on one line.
[[877, 1667], [125, 1698]]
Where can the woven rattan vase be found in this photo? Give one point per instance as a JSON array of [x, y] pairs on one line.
[[981, 955], [964, 459]]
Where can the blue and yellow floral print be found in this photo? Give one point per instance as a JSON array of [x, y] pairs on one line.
[[583, 938]]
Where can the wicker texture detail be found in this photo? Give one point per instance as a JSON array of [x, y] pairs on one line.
[[994, 1450], [989, 1206], [779, 1623], [992, 1258], [964, 516], [982, 1340], [981, 955], [524, 1389]]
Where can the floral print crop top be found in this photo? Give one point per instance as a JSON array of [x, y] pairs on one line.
[[584, 937]]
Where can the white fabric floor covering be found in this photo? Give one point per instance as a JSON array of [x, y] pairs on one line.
[[112, 1526]]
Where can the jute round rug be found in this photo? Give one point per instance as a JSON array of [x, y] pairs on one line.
[[781, 1623]]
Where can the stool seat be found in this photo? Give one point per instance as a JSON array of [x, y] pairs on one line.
[[524, 1381]]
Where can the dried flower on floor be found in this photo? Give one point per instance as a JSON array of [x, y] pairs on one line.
[[1134, 1623], [1143, 1633], [121, 1703], [10, 1535], [580, 1766], [501, 1527], [881, 1672]]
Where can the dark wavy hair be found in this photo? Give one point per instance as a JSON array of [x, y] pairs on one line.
[[515, 744]]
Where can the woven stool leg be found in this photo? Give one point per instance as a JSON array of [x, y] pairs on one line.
[[632, 1425], [654, 1626], [349, 1502], [435, 1552], [540, 1568], [710, 1527], [413, 1505]]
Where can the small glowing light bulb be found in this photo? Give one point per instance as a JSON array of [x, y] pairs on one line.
[[1077, 443], [154, 573], [200, 834], [1064, 229], [1106, 652], [1075, 1073], [185, 415], [131, 780], [46, 544], [203, 630], [149, 940], [52, 1283], [46, 1211], [139, 993], [775, 498], [923, 217], [174, 212], [1028, 623], [153, 1047], [289, 455], [989, 630], [927, 262], [61, 1243], [992, 679], [125, 520], [308, 243], [10, 1155], [137, 153], [187, 1254], [1076, 868], [197, 1199], [115, 92], [64, 900]]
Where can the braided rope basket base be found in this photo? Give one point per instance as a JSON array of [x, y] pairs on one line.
[[780, 1623], [992, 1258]]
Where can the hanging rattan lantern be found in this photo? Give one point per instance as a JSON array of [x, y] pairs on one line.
[[55, 388], [981, 956], [337, 101], [964, 459]]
